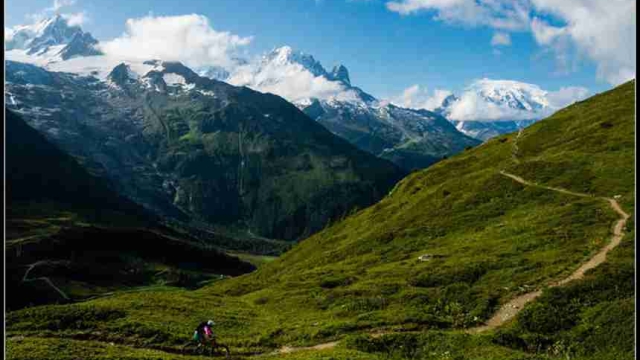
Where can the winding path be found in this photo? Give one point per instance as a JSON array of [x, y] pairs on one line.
[[509, 310], [290, 349], [43, 278]]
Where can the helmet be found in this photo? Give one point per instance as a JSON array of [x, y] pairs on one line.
[[210, 323]]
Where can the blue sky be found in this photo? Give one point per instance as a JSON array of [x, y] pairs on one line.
[[386, 51]]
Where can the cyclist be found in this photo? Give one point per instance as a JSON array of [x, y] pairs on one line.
[[204, 333]]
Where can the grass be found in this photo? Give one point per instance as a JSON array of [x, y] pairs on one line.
[[256, 260], [489, 238]]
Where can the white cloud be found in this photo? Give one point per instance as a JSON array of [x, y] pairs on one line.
[[566, 96], [76, 19], [499, 14], [59, 4], [600, 30], [471, 107], [8, 34], [289, 80], [544, 33], [501, 39], [415, 97], [186, 38]]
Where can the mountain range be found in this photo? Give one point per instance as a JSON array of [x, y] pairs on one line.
[[200, 151], [137, 187], [413, 139], [515, 229], [197, 149]]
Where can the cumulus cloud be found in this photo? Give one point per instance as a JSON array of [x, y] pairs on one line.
[[289, 80], [186, 38], [416, 97], [59, 4], [600, 30], [473, 107], [499, 14], [76, 18], [545, 34], [501, 39], [566, 96]]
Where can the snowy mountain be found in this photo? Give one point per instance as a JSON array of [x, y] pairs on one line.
[[192, 148], [489, 108], [512, 94], [410, 138], [485, 130], [51, 39]]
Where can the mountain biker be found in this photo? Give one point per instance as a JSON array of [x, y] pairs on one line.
[[204, 333]]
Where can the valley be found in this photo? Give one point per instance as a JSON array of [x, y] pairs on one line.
[[362, 275], [479, 206]]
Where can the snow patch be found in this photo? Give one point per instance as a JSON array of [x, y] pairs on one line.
[[174, 79], [206, 92]]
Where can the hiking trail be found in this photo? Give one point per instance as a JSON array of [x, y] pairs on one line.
[[509, 310]]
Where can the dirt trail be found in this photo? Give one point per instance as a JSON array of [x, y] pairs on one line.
[[515, 149], [510, 309], [43, 278], [515, 305], [290, 349]]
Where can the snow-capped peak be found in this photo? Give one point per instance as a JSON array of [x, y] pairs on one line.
[[513, 94], [340, 73], [51, 39], [286, 55], [50, 32]]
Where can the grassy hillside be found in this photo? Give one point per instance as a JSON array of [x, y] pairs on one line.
[[487, 237], [69, 236]]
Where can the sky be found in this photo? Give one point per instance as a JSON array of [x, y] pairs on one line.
[[391, 48]]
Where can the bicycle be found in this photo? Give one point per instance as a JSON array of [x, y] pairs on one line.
[[200, 348]]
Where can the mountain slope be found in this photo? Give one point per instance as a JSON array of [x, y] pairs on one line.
[[197, 149], [69, 235], [440, 253], [412, 139], [37, 171]]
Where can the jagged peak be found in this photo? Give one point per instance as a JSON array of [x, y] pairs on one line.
[[122, 75], [340, 73], [285, 55]]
